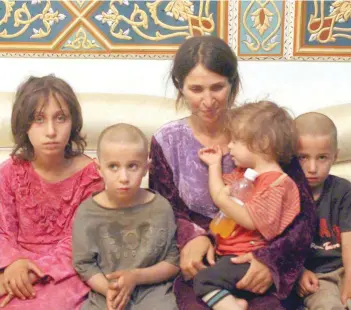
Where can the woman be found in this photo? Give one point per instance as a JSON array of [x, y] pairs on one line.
[[206, 75]]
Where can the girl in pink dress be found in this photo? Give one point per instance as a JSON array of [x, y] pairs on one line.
[[41, 185]]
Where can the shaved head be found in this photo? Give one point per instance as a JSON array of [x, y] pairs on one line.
[[316, 124], [123, 134]]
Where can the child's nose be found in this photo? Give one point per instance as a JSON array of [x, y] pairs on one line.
[[312, 167], [50, 129], [123, 176]]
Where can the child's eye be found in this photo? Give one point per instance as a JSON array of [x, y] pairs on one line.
[[61, 118], [302, 157], [133, 166], [113, 167], [323, 157], [39, 119]]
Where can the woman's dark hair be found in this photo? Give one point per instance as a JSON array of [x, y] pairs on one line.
[[38, 90], [214, 54]]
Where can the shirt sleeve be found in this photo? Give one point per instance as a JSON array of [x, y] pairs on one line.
[[273, 208], [84, 255], [286, 254], [345, 211], [172, 255], [161, 180], [8, 219]]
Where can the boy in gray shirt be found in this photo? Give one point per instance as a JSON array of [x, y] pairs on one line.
[[125, 234]]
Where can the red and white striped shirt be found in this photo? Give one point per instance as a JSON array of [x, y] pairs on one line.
[[273, 206]]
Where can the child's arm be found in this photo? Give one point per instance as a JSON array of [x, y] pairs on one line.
[[233, 210], [307, 283], [99, 283], [123, 282], [157, 273], [346, 259], [212, 157], [84, 252]]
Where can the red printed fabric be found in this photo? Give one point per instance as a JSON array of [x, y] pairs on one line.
[[36, 223]]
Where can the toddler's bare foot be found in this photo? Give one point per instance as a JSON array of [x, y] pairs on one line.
[[242, 303]]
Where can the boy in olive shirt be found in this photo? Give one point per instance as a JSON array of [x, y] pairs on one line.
[[126, 233], [326, 281]]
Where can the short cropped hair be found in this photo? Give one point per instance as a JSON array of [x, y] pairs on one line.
[[123, 133], [265, 128], [317, 124]]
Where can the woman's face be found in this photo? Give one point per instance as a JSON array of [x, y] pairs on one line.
[[206, 94]]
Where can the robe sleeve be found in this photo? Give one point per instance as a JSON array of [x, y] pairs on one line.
[[161, 180]]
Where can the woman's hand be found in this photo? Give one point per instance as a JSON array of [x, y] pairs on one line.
[[211, 155], [192, 254], [258, 278], [18, 278]]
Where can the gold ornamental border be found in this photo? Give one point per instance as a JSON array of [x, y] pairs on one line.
[[80, 18]]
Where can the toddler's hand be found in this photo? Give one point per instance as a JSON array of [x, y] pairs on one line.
[[211, 155]]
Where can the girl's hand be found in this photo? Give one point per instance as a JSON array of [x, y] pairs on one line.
[[211, 155], [18, 279], [192, 254], [124, 285]]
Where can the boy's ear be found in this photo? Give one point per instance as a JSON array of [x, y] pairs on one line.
[[336, 155], [98, 167], [147, 166]]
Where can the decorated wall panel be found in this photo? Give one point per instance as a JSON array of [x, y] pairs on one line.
[[256, 29], [106, 28]]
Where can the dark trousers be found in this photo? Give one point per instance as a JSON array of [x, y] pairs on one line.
[[223, 275]]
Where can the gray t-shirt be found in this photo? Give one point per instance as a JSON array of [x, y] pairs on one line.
[[106, 240]]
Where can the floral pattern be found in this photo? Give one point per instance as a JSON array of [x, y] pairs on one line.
[[341, 9]]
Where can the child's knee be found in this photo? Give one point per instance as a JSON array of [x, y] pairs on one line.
[[201, 283], [324, 301]]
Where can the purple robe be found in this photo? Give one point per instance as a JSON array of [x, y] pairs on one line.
[[179, 175]]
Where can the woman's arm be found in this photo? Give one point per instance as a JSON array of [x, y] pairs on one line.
[[161, 180], [285, 255], [192, 239]]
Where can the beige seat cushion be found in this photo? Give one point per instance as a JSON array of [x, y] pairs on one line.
[[149, 113]]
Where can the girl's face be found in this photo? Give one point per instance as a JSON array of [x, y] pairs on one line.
[[50, 130], [206, 93]]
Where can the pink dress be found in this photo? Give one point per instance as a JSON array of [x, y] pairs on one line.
[[36, 223]]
